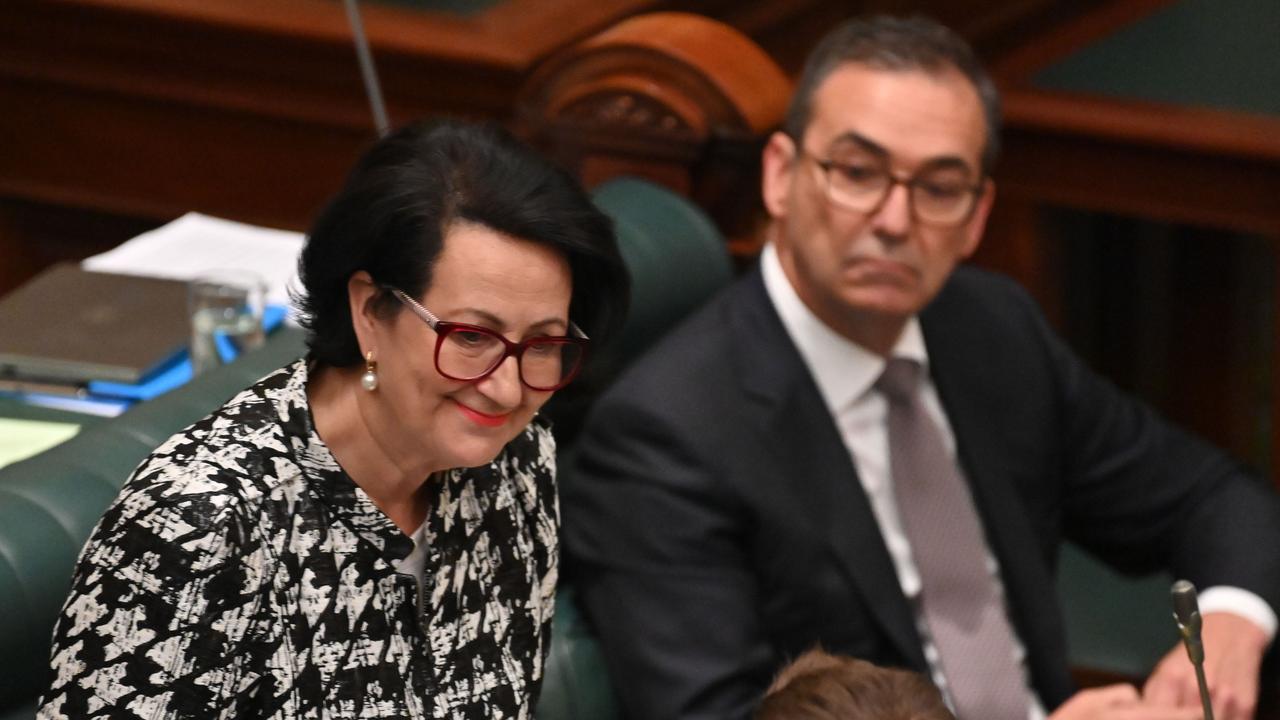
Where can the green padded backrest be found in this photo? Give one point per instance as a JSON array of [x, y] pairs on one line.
[[50, 503], [677, 260], [1115, 624], [675, 255], [576, 685]]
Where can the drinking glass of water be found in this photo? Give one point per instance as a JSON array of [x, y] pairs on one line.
[[226, 316]]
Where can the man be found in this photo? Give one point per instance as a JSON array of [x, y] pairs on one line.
[[862, 445]]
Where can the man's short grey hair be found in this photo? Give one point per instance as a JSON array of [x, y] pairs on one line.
[[885, 42]]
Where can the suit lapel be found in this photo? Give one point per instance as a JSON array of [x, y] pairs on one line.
[[959, 376], [806, 448]]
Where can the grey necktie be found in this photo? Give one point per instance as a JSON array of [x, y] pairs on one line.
[[960, 599]]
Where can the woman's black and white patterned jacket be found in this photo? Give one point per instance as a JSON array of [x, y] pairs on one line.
[[241, 573]]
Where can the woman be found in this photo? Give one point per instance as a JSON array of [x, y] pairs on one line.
[[372, 530]]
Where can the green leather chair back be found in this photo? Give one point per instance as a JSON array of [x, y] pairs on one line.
[[675, 255], [49, 504], [677, 260], [1116, 625]]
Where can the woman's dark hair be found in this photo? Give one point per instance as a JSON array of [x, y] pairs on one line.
[[397, 205]]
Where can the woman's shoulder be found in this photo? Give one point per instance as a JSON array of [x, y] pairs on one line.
[[522, 475], [229, 459], [533, 450]]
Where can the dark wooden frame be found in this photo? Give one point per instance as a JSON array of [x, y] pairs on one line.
[[1195, 166]]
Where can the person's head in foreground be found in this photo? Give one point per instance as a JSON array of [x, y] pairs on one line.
[[879, 182], [821, 686], [451, 288]]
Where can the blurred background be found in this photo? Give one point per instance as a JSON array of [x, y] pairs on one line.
[[1138, 195]]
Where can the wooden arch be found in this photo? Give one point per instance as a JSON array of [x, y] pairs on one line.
[[676, 98]]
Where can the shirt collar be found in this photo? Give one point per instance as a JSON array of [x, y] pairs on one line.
[[843, 370]]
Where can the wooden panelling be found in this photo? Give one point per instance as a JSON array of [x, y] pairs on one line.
[[253, 110], [1182, 164], [260, 98], [1015, 57], [36, 235], [146, 109], [157, 159], [1212, 170], [674, 97]]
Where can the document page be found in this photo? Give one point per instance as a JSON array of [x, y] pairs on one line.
[[194, 244], [20, 439]]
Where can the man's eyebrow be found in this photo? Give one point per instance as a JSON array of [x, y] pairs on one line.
[[946, 162], [942, 162], [861, 141]]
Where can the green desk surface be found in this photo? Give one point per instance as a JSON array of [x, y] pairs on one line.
[[1220, 54], [10, 408], [24, 443]]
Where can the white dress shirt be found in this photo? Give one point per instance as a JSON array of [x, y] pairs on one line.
[[845, 373]]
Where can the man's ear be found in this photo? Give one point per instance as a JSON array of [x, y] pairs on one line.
[[777, 173], [977, 225], [362, 294]]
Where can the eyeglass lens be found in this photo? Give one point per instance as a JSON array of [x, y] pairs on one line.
[[545, 363], [941, 195]]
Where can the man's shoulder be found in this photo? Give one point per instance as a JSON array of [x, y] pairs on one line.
[[985, 303], [226, 462], [697, 349], [969, 284]]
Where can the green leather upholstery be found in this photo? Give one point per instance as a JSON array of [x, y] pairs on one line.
[[25, 711], [677, 259], [676, 256], [50, 503], [576, 686], [1115, 624]]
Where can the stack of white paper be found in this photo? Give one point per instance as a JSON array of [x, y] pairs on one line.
[[195, 244]]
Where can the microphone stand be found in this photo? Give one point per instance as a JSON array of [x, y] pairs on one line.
[[368, 73], [1186, 613]]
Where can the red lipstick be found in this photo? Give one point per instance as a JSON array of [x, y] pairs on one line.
[[482, 419]]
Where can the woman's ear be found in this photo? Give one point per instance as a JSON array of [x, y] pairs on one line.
[[363, 294]]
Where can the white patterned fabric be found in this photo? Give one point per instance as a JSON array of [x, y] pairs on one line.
[[241, 573]]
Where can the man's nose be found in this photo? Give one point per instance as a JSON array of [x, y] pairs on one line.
[[893, 217]]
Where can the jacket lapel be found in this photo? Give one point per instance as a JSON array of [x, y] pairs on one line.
[[805, 448], [961, 378]]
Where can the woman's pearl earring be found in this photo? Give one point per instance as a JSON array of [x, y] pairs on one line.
[[369, 380]]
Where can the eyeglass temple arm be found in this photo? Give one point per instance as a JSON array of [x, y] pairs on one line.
[[431, 319], [415, 306]]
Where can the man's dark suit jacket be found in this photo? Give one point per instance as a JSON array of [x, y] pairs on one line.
[[716, 526]]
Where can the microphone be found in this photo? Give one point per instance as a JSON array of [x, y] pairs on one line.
[[1186, 613]]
